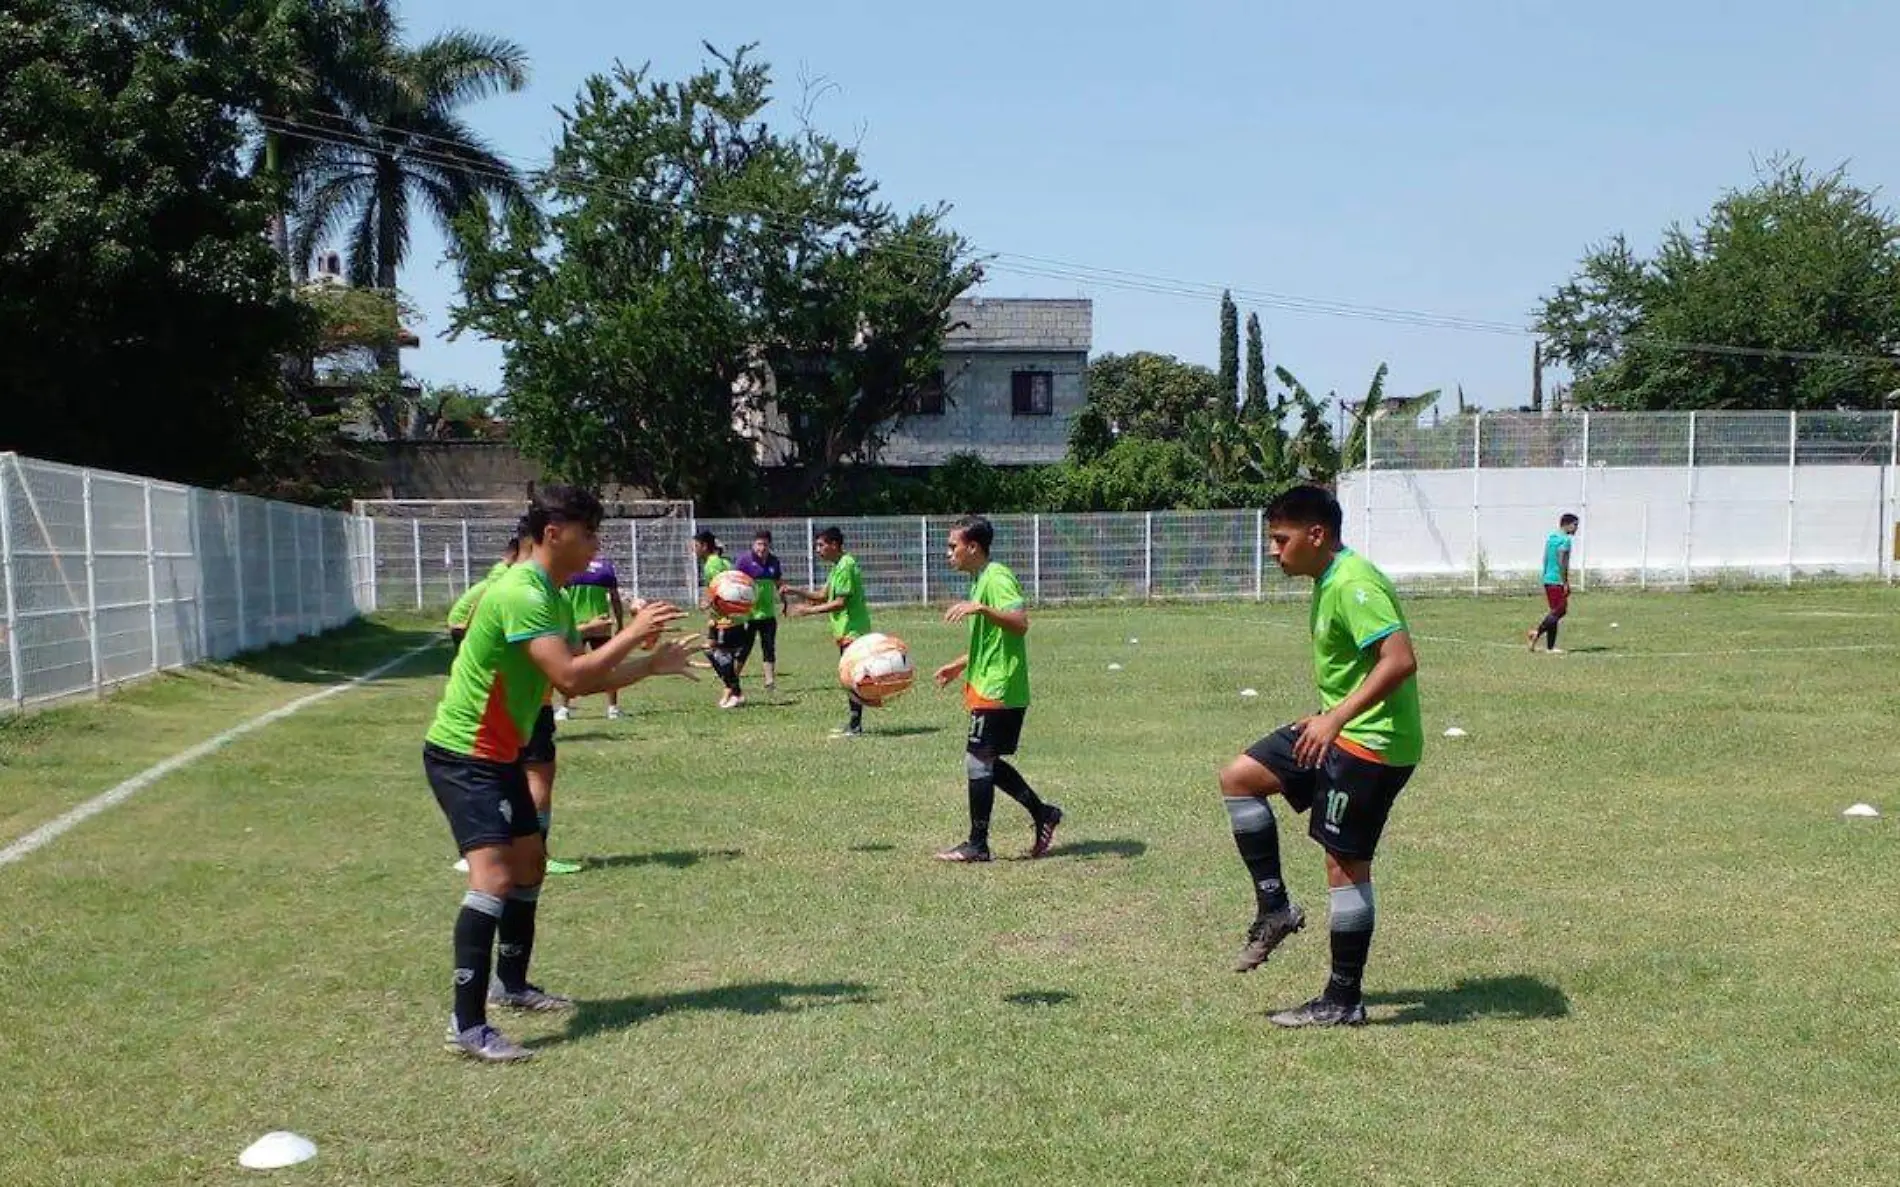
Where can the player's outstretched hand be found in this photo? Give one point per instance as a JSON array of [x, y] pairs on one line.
[[652, 618], [674, 658], [948, 672], [1317, 735], [961, 611]]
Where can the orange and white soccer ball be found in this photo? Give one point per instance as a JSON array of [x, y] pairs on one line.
[[877, 668], [732, 593]]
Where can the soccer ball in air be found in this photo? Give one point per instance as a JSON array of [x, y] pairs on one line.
[[732, 593], [877, 668]]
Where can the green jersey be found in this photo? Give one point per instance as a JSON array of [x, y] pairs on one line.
[[711, 567], [588, 602], [464, 607], [854, 619], [998, 673], [1355, 606], [495, 690], [500, 568]]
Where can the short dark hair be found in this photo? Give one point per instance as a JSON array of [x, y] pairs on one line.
[[1304, 505], [705, 536], [513, 544], [561, 504], [764, 534], [831, 535], [976, 530], [1568, 517]]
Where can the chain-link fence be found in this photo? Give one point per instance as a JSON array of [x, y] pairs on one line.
[[109, 577]]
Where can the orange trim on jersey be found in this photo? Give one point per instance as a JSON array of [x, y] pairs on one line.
[[1359, 750], [496, 738], [976, 702]]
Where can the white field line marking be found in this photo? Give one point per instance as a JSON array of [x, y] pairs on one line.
[[46, 833]]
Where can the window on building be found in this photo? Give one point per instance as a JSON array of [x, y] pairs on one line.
[[1032, 393], [929, 398]]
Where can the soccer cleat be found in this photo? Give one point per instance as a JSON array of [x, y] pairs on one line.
[[613, 713], [461, 865], [530, 998], [1045, 830], [848, 731], [557, 866], [485, 1043], [1266, 934], [771, 686], [563, 713], [1321, 1011], [965, 852], [1531, 636]]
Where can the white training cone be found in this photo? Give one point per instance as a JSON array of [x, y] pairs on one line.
[[1114, 667], [1867, 810], [276, 1150], [1248, 692], [1454, 732], [1132, 639], [1614, 625]]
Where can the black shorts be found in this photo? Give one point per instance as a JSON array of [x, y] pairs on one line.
[[540, 744], [487, 803], [995, 731], [1350, 797], [765, 631], [734, 637]]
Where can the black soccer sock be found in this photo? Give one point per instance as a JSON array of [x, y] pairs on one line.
[[1552, 632], [727, 670], [1352, 914], [1017, 788], [474, 947], [1258, 839], [857, 713], [515, 937], [982, 780]]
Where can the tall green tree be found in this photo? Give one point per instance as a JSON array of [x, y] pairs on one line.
[[141, 306], [1229, 356], [706, 289], [379, 134], [1148, 395], [1786, 295], [1257, 403]]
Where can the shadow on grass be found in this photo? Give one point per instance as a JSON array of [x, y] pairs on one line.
[[900, 731], [757, 997], [1124, 849], [1514, 998], [1040, 997], [873, 847], [1592, 649], [674, 859], [347, 652]]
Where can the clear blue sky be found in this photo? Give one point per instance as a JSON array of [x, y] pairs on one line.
[[1455, 159]]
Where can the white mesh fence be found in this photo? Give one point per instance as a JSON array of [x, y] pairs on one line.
[[109, 577]]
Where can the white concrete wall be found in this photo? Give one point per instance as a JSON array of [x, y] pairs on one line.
[[1660, 524]]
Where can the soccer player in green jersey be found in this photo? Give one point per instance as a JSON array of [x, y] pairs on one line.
[[1556, 582], [1343, 766], [520, 643], [842, 599], [762, 565], [594, 596], [995, 671], [725, 635], [464, 607]]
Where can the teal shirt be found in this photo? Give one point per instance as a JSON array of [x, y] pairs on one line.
[[1556, 551]]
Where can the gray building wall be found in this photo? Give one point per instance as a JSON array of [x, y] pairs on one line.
[[996, 339]]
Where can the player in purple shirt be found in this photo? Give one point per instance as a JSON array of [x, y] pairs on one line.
[[768, 579]]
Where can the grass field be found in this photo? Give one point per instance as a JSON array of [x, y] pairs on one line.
[[1625, 935]]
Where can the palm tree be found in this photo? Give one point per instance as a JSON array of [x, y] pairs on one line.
[[382, 136]]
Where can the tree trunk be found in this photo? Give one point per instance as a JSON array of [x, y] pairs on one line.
[[388, 240]]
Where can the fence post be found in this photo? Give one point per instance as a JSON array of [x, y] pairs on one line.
[[16, 690], [1477, 539], [235, 518], [296, 570], [1259, 555], [92, 584], [811, 557], [1148, 554], [1642, 571], [196, 519], [1035, 556], [1793, 438], [369, 546], [1365, 478], [923, 553], [151, 573], [1688, 531], [270, 567], [467, 580], [415, 555], [323, 571], [1887, 519], [633, 545]]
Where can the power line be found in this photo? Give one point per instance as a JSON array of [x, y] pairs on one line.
[[363, 135]]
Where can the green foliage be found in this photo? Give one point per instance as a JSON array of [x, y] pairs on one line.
[[700, 267], [1799, 262], [1256, 404], [1147, 395], [139, 300], [1089, 435], [1229, 376]]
